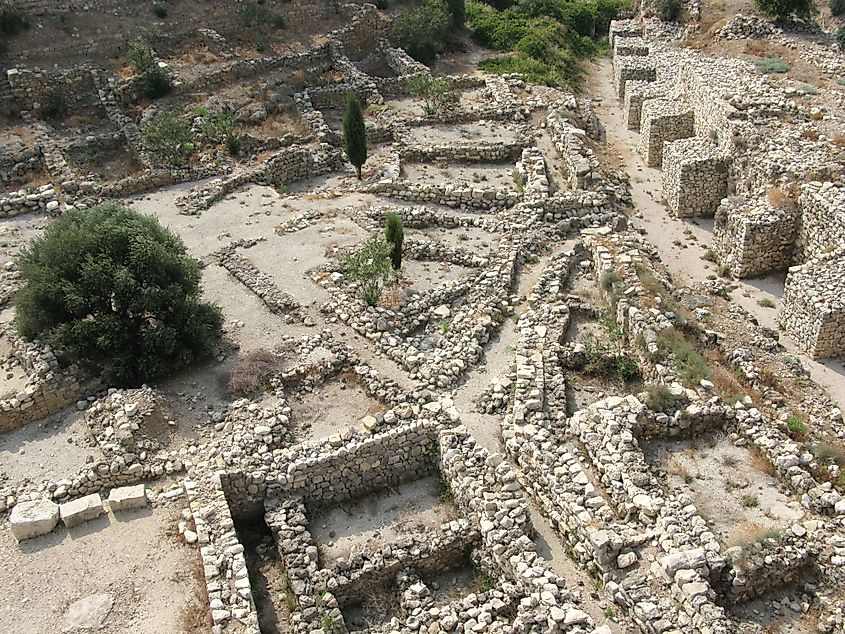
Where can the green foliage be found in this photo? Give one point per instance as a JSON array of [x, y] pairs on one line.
[[766, 303], [457, 12], [750, 501], [668, 10], [168, 140], [11, 20], [156, 82], [222, 128], [4, 47], [141, 56], [772, 65], [370, 267], [422, 31], [381, 5], [438, 93], [394, 233], [354, 133], [660, 397], [796, 425], [840, 38], [117, 292], [546, 38], [55, 104], [160, 10], [609, 280], [690, 365], [253, 14], [829, 454], [786, 9], [603, 360], [837, 7]]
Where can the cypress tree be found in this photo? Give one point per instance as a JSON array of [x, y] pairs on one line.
[[394, 233], [354, 133]]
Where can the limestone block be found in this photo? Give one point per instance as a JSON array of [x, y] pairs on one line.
[[31, 519], [662, 120], [126, 498], [81, 510], [695, 177]]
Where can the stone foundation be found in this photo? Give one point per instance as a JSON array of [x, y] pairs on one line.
[[812, 309], [627, 69], [662, 120], [752, 237], [636, 92], [695, 177], [821, 222]]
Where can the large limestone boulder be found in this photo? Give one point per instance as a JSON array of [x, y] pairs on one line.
[[31, 519], [126, 498], [81, 510]]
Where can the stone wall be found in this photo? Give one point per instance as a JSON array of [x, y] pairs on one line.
[[821, 221], [753, 238], [812, 309], [636, 92], [33, 86], [695, 177], [662, 120]]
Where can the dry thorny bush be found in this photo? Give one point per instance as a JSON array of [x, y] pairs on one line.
[[252, 372]]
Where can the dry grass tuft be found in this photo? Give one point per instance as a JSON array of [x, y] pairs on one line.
[[252, 372], [761, 464], [778, 198]]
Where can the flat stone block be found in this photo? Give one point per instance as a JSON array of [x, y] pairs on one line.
[[126, 498], [82, 510], [31, 519]]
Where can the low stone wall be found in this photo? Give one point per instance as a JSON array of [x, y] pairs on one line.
[[695, 177], [623, 29], [629, 46], [821, 222], [751, 237], [34, 86], [662, 120], [16, 163], [633, 68], [26, 201], [812, 309], [579, 162]]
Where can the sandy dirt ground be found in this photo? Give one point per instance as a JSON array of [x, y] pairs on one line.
[[148, 573]]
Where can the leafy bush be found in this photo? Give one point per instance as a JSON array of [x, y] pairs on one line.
[[168, 140], [785, 9], [422, 31], [438, 93], [668, 10], [141, 56], [546, 37], [222, 128], [772, 65], [4, 47], [837, 7], [690, 365], [156, 82], [829, 454], [252, 372], [160, 10], [394, 233], [354, 133], [117, 292], [370, 267], [796, 425], [381, 5], [11, 20], [840, 38], [603, 360], [55, 104], [458, 12], [660, 397]]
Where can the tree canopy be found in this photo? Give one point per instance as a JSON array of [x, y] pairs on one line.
[[117, 292]]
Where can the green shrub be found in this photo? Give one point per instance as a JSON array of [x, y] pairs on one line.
[[160, 10], [55, 104], [786, 9], [222, 128], [837, 7], [457, 12], [668, 10], [253, 14], [690, 365], [660, 397], [609, 280], [772, 65], [796, 425], [604, 360], [168, 140], [766, 303], [116, 292], [438, 93], [394, 233], [141, 56], [381, 5], [829, 454], [840, 38], [370, 267], [4, 47], [279, 22], [422, 31], [156, 82], [11, 20]]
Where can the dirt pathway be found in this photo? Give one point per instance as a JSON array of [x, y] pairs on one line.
[[682, 244]]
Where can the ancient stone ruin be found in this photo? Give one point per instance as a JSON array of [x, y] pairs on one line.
[[579, 410]]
